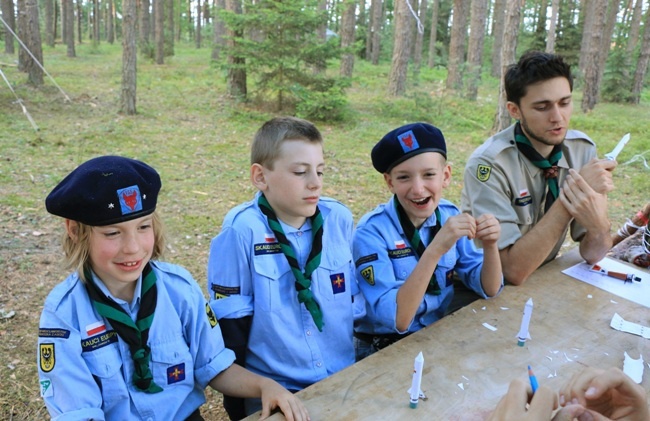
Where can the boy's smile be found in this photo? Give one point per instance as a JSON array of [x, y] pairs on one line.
[[418, 183]]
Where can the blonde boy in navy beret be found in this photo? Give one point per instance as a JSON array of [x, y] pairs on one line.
[[407, 250], [126, 337]]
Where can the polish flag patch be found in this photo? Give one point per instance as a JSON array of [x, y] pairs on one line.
[[95, 328], [270, 238], [524, 193], [399, 244]]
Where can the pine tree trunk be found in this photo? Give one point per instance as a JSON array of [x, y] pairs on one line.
[[110, 19], [508, 49], [198, 24], [550, 39], [592, 71], [642, 63], [159, 30], [219, 29], [236, 79], [347, 37], [144, 24], [402, 37], [457, 46], [21, 31], [95, 23], [498, 25], [33, 66], [377, 13], [419, 40], [79, 16], [129, 57], [49, 22], [433, 36], [69, 28], [169, 29], [9, 16], [475, 48], [635, 24]]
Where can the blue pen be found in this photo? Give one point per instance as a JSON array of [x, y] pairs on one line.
[[533, 379]]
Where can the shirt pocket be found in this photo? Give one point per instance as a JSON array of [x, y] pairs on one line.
[[335, 275], [272, 280], [105, 364], [402, 267], [172, 364]]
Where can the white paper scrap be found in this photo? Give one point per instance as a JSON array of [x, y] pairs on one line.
[[461, 386], [505, 308], [489, 326], [633, 368], [623, 325]]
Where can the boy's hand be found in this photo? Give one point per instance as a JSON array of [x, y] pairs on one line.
[[488, 229], [456, 226], [585, 204], [513, 405], [607, 395], [275, 396]]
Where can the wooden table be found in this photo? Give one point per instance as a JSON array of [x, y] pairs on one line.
[[569, 330]]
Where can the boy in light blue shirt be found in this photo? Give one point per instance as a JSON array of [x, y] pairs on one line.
[[280, 272]]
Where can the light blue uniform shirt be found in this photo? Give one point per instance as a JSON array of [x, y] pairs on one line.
[[384, 260], [249, 275], [86, 370]]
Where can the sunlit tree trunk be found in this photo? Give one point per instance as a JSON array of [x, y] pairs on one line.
[[49, 23], [159, 30], [198, 24], [550, 39], [457, 46], [402, 38], [129, 57], [219, 29], [236, 79], [642, 63], [144, 27], [635, 24], [475, 48], [592, 72], [347, 37], [508, 50], [375, 30], [68, 23], [33, 43], [498, 25]]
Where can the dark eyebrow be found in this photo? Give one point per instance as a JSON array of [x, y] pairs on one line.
[[548, 101]]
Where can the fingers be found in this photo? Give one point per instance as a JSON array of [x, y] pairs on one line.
[[598, 174], [487, 228], [543, 404]]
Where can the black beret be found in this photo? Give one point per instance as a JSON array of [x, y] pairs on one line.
[[405, 142], [106, 190]]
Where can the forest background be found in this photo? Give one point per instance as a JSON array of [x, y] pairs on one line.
[[184, 85]]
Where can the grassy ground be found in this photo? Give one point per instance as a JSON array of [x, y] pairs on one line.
[[199, 142]]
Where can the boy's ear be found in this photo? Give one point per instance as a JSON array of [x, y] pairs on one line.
[[72, 228], [257, 177], [513, 109], [389, 181], [446, 180]]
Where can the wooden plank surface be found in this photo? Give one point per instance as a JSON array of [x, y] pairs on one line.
[[569, 330]]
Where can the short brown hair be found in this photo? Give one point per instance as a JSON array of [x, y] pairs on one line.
[[268, 139], [77, 252]]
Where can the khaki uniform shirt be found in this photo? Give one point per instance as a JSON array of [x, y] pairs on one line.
[[501, 181]]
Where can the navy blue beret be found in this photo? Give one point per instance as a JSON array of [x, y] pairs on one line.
[[405, 142], [106, 190]]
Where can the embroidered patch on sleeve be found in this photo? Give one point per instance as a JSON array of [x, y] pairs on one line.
[[366, 259], [53, 333], [46, 351], [46, 388], [338, 283], [369, 275], [211, 317], [221, 291], [176, 373], [483, 172]]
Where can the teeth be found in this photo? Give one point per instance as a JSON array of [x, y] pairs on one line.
[[130, 264], [420, 202]]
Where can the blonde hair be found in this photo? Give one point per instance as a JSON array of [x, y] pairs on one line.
[[77, 250], [268, 139]]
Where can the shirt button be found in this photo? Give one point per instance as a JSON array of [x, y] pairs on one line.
[[309, 333], [403, 274], [318, 364], [299, 233]]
